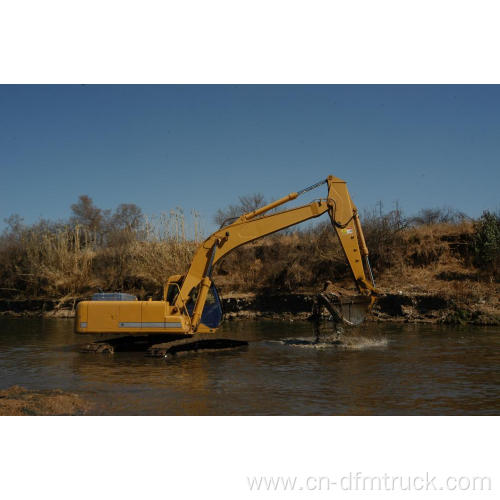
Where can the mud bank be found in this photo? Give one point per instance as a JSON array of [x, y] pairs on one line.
[[49, 308], [417, 308], [432, 308], [398, 307], [20, 401]]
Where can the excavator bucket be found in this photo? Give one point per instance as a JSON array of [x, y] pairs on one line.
[[350, 310]]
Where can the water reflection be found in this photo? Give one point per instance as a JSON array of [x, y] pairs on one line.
[[403, 369]]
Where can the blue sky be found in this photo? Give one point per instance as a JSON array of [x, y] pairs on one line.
[[200, 147]]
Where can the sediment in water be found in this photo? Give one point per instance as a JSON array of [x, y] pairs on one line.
[[17, 401]]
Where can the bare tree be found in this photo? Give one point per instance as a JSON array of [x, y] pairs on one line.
[[15, 224], [127, 216], [428, 216], [252, 202], [86, 214], [247, 203], [123, 225]]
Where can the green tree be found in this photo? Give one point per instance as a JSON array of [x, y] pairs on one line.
[[487, 242]]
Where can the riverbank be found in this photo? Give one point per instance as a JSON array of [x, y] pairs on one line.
[[429, 273], [394, 306], [18, 401]]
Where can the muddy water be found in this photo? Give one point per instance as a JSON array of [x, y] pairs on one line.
[[383, 369]]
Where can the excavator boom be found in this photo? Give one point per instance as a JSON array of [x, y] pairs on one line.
[[184, 305]]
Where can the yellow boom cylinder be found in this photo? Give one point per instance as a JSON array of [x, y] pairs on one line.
[[272, 205], [361, 236]]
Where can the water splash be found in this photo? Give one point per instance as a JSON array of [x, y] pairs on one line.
[[336, 342]]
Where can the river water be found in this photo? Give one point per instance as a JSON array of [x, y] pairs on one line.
[[386, 369]]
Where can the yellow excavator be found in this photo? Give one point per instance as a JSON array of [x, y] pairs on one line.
[[190, 311]]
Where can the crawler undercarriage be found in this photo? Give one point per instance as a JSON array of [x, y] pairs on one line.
[[163, 346]]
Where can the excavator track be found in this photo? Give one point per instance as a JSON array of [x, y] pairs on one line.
[[129, 343], [162, 346], [197, 345]]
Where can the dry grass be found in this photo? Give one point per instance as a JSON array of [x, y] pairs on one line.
[[437, 259], [67, 262], [433, 258], [61, 263]]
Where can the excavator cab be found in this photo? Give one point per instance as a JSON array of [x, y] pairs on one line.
[[171, 290], [212, 310], [212, 313]]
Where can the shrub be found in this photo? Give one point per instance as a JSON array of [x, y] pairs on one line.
[[487, 243]]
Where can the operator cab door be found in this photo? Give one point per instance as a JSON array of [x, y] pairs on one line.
[[212, 313]]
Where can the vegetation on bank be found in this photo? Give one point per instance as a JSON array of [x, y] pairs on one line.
[[437, 251]]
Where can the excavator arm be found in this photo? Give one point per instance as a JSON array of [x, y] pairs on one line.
[[185, 297], [260, 223]]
